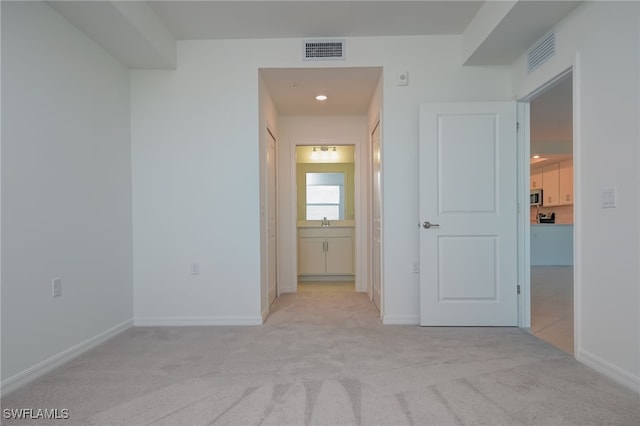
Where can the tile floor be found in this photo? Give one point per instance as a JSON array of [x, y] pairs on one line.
[[552, 305]]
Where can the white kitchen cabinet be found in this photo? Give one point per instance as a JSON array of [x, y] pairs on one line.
[[536, 178], [551, 185], [566, 182], [325, 251], [556, 181]]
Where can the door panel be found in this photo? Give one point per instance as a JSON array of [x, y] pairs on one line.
[[468, 191], [480, 273], [271, 217], [339, 255], [311, 256], [377, 223]]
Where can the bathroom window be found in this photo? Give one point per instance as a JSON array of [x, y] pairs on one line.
[[325, 196]]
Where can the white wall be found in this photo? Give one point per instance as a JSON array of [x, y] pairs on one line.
[[196, 186], [316, 130], [195, 135], [601, 40], [66, 192]]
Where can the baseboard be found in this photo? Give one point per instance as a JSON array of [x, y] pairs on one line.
[[193, 321], [326, 278], [12, 383], [613, 372], [401, 319]]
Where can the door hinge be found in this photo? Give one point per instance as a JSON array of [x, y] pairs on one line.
[[517, 126], [518, 288]]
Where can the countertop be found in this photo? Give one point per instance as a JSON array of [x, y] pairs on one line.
[[332, 224], [552, 224]]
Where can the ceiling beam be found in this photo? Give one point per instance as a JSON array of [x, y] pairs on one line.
[[502, 31], [129, 31]]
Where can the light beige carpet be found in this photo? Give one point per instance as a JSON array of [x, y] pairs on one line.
[[323, 358]]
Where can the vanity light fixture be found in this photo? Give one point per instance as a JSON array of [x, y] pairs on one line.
[[324, 153], [321, 98]]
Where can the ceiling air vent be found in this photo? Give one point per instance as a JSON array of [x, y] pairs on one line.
[[323, 50], [541, 52]]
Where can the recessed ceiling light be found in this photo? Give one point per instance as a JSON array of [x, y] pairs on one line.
[[321, 98]]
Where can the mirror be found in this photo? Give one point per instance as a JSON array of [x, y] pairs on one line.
[[325, 186]]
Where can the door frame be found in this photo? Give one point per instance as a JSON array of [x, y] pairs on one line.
[[524, 240], [275, 198], [362, 258], [372, 265]]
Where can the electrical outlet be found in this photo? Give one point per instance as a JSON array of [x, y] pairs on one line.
[[56, 287], [195, 269]]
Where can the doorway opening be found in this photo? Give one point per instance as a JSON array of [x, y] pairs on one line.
[[552, 213], [324, 212], [325, 219]]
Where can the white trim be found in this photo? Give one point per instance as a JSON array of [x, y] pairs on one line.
[[293, 227], [577, 205], [191, 321], [613, 372], [401, 319], [329, 278], [524, 217], [360, 263], [32, 373], [524, 258], [376, 126], [361, 196]]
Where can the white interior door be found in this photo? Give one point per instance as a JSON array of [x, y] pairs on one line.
[[271, 217], [377, 223], [468, 256]]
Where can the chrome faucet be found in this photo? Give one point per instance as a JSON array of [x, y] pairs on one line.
[[325, 222]]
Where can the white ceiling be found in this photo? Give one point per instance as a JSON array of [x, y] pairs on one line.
[[142, 35], [349, 90], [552, 113], [203, 20], [551, 121]]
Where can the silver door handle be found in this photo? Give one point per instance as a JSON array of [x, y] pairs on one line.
[[426, 225]]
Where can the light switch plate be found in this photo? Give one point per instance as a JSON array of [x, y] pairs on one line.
[[609, 198]]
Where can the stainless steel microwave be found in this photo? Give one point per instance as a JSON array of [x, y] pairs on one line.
[[536, 197]]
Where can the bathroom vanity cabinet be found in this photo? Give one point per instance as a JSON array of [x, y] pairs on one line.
[[325, 250]]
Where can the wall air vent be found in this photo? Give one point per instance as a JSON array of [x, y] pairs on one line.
[[541, 52], [323, 50]]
